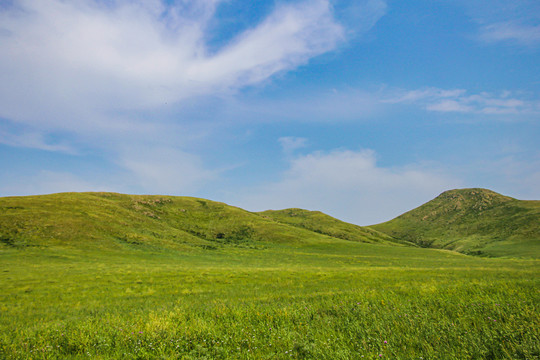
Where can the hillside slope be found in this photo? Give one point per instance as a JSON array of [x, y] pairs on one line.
[[324, 224], [472, 221], [116, 221]]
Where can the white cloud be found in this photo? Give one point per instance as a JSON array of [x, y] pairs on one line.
[[290, 143], [502, 21], [449, 106], [350, 186], [407, 96], [323, 106], [117, 75], [165, 170], [34, 140], [513, 172], [528, 35], [460, 101], [287, 38], [67, 63], [360, 15]]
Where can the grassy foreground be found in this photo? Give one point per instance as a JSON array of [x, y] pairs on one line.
[[345, 300]]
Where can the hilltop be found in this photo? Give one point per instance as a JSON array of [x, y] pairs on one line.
[[472, 221], [116, 221]]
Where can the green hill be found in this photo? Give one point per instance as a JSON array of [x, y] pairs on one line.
[[324, 224], [111, 276], [472, 221], [116, 221]]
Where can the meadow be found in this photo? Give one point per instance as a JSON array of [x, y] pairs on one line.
[[340, 300]]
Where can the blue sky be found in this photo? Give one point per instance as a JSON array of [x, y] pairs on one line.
[[361, 109]]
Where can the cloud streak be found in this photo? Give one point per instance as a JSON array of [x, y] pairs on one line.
[[289, 144], [505, 22], [460, 101], [34, 140], [510, 32]]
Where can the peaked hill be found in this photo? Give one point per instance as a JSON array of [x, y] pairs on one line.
[[324, 224], [117, 221], [472, 221]]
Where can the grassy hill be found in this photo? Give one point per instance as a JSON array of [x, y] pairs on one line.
[[98, 275], [472, 221], [324, 224], [116, 221]]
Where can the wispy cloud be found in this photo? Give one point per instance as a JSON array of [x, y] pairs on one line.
[[460, 101], [528, 35], [103, 71], [322, 106], [288, 37], [505, 22], [63, 61], [34, 140], [289, 144], [360, 15]]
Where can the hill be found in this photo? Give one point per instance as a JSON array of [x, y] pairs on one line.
[[324, 224], [117, 221], [471, 221], [113, 276]]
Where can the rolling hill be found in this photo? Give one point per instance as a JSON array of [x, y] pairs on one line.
[[471, 221], [113, 276], [324, 224], [117, 221]]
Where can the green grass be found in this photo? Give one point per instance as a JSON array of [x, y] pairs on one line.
[[472, 221], [308, 301], [111, 276]]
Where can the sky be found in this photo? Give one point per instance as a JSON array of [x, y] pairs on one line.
[[362, 109]]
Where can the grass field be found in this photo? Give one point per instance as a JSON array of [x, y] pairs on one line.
[[341, 300]]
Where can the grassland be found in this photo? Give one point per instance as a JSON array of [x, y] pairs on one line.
[[310, 301], [110, 276]]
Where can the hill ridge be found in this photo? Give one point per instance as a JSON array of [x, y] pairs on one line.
[[472, 221], [119, 221], [322, 223]]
